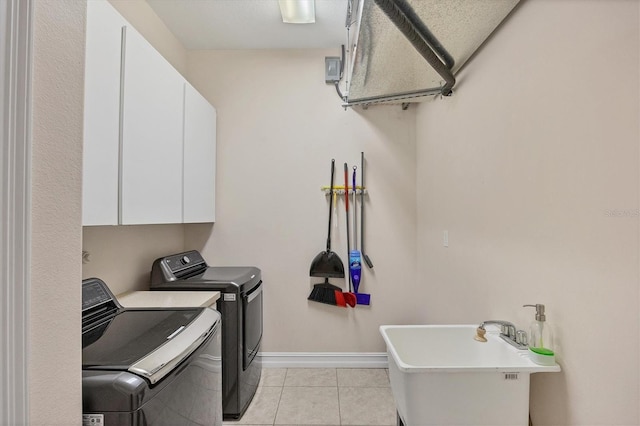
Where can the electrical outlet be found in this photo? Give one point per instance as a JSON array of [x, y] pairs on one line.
[[445, 238]]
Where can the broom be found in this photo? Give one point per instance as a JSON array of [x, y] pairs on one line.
[[331, 295]]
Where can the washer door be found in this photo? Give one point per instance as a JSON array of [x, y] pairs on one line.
[[179, 345], [149, 343], [130, 336]]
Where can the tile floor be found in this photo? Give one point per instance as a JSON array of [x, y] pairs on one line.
[[321, 396]]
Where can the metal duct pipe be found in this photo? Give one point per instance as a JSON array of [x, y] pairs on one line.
[[395, 11], [425, 33]]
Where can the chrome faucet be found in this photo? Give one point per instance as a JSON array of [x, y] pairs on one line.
[[506, 328], [508, 333]]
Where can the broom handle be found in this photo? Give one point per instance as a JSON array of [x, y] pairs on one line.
[[346, 206], [355, 212], [333, 166], [346, 190]]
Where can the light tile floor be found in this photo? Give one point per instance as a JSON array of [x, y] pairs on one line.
[[321, 396]]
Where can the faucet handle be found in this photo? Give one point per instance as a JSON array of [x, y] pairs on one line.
[[521, 338], [508, 330]]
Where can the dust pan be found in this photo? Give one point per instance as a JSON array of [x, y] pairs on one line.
[[327, 263]]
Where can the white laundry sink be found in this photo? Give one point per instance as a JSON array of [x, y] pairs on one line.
[[441, 376]]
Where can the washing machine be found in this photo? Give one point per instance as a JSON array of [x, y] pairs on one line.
[[240, 305], [148, 367]]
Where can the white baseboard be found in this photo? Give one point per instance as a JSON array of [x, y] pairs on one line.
[[324, 359]]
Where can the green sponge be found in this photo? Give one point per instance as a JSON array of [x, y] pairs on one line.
[[542, 351]]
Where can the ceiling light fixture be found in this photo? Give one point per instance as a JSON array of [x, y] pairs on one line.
[[298, 11]]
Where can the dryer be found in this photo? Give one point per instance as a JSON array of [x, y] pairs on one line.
[[240, 305], [154, 366]]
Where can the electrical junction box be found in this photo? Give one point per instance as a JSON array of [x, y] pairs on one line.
[[331, 69]]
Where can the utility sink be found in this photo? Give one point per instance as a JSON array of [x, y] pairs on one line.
[[441, 375]]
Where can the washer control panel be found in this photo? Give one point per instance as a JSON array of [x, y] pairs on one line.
[[94, 293], [181, 262]]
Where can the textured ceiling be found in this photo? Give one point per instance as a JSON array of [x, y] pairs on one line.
[[250, 24]]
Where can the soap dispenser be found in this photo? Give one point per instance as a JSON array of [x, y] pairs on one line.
[[541, 338]]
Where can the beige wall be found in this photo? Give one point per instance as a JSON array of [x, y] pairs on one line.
[[122, 255], [54, 338], [532, 166], [279, 126], [144, 19]]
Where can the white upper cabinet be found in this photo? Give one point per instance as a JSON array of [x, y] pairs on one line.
[[199, 158], [149, 137], [101, 114], [152, 136]]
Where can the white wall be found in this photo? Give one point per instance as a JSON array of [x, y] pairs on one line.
[[54, 338], [533, 168], [279, 126]]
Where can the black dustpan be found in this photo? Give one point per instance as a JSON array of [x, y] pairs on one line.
[[327, 263]]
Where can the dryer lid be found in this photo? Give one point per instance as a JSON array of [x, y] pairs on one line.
[[237, 275]]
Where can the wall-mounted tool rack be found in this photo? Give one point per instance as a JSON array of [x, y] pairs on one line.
[[339, 190]]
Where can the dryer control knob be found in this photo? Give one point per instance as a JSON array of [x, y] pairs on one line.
[[185, 260]]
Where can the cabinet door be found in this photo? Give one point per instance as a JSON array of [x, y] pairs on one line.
[[199, 158], [101, 114], [152, 115]]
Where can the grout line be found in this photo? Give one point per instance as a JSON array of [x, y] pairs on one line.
[[280, 398], [278, 404], [336, 386], [338, 396], [339, 406]]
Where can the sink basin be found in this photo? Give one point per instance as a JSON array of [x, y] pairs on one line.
[[440, 375]]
